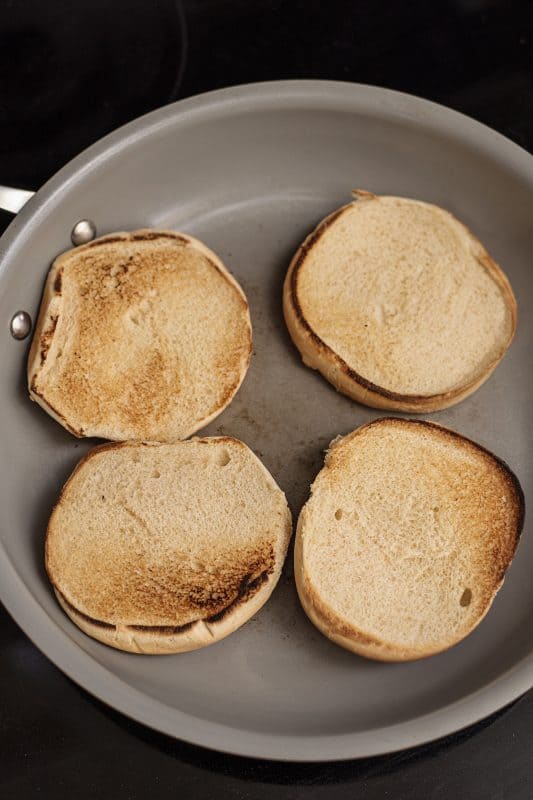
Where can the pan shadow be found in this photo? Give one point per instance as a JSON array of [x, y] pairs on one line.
[[288, 773]]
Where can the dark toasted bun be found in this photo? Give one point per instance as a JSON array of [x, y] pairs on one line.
[[141, 335], [166, 548]]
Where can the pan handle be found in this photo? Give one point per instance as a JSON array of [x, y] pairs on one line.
[[13, 199]]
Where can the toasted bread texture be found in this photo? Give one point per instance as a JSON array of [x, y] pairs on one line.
[[140, 336], [164, 548], [398, 305], [406, 539]]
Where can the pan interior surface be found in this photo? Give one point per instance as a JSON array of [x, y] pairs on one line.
[[250, 171]]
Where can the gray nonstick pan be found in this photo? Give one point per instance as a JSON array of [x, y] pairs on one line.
[[250, 170]]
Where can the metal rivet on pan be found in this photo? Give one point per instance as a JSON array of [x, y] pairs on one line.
[[83, 231], [20, 325]]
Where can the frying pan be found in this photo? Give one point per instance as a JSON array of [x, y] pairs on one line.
[[250, 170]]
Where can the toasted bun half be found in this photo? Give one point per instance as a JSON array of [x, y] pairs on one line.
[[398, 305], [164, 548], [406, 539], [141, 335]]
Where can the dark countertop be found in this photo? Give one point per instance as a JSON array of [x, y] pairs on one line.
[[70, 73]]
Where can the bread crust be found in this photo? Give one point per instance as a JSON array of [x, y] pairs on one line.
[[253, 592], [154, 640], [51, 309], [318, 355], [340, 630]]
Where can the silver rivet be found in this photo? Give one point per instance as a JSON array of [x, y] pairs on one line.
[[20, 325], [82, 232]]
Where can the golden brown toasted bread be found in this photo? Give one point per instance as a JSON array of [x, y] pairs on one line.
[[406, 539], [140, 335], [163, 548], [398, 305]]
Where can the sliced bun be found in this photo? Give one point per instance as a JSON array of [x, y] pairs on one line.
[[140, 335], [164, 548], [405, 539], [398, 305]]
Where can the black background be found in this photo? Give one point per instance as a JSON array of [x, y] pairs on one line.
[[71, 71]]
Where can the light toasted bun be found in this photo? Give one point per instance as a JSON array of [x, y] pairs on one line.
[[140, 335], [164, 548], [398, 305], [405, 539]]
